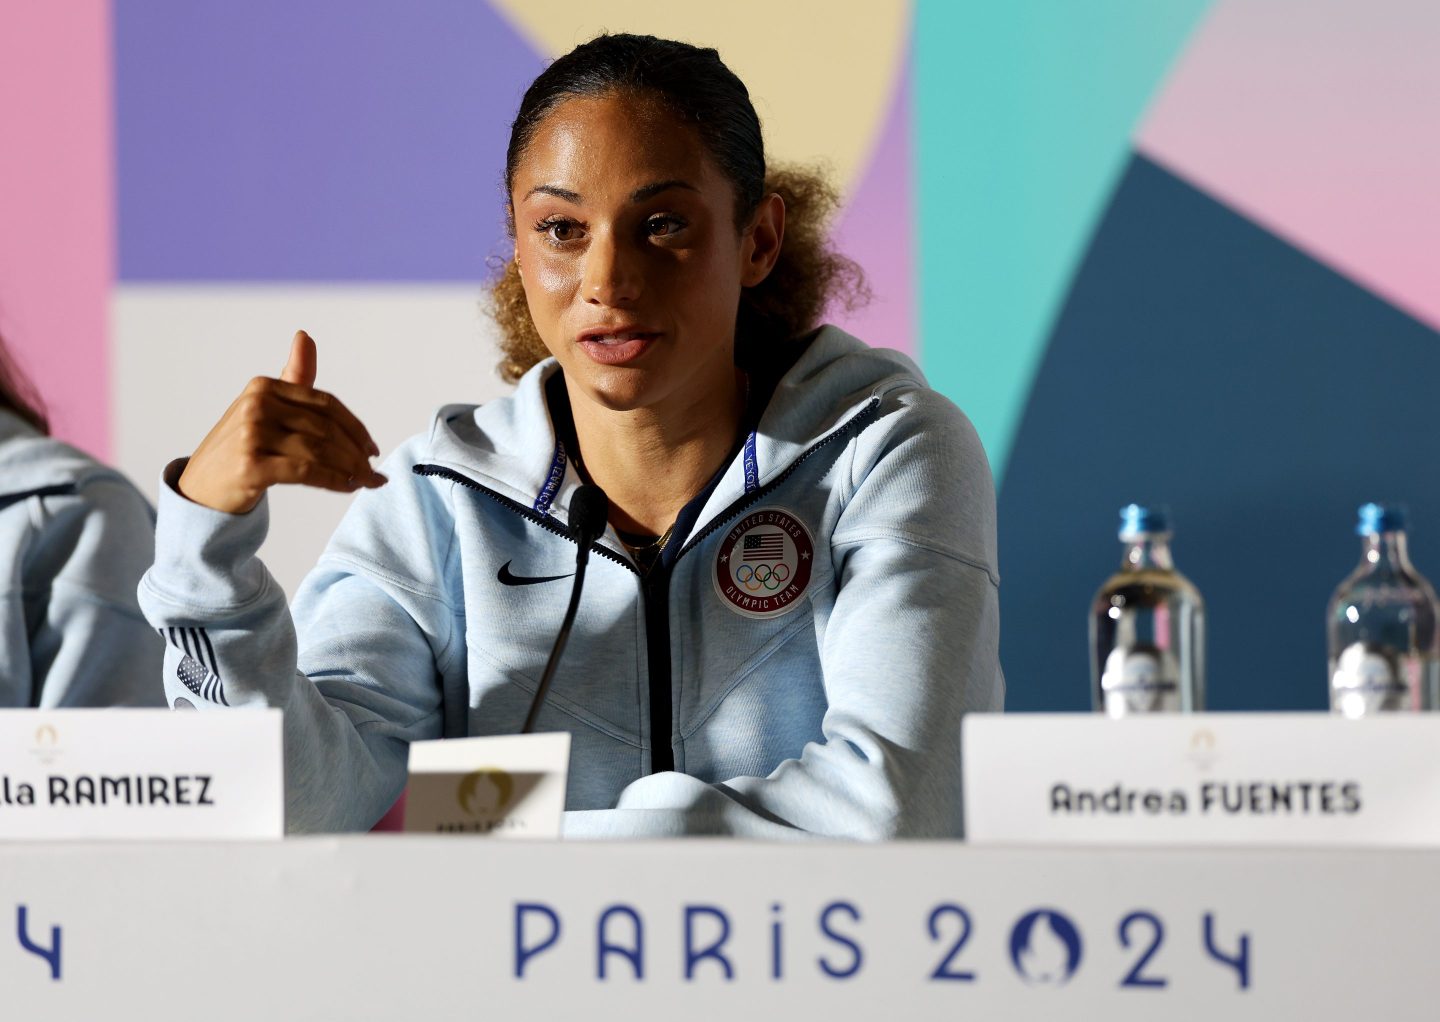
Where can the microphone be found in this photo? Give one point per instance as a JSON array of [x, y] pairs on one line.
[[589, 511]]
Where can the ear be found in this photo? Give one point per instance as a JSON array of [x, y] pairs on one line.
[[514, 238], [760, 245]]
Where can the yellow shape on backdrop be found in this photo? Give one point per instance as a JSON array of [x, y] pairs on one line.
[[821, 74]]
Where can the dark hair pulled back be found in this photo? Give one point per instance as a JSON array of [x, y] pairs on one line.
[[18, 395], [696, 86]]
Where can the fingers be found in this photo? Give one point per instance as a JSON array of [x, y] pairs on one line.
[[302, 365], [304, 471], [332, 408], [281, 416], [317, 442], [281, 431], [313, 401]]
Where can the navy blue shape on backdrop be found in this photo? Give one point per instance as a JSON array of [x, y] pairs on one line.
[[1203, 363]]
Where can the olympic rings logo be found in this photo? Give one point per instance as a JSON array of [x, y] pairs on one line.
[[762, 576], [764, 563]]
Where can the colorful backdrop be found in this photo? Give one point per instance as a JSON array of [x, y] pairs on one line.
[[1183, 252]]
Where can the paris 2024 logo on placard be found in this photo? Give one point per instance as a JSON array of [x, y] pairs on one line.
[[764, 564], [486, 792]]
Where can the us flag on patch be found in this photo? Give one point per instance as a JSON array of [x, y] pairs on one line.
[[763, 546]]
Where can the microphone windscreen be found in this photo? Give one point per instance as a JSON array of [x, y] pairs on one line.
[[589, 511]]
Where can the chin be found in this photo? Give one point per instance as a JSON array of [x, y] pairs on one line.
[[619, 390]]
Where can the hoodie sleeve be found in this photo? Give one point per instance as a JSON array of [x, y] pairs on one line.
[[910, 645], [88, 642], [376, 642]]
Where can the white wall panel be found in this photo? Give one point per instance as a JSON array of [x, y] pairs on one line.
[[392, 353]]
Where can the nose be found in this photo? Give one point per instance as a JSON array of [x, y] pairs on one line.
[[612, 272]]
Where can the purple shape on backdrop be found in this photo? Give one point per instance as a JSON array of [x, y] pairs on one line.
[[323, 140], [876, 229]]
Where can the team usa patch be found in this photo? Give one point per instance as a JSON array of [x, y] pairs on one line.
[[764, 564]]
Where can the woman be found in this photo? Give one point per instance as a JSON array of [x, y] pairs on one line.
[[75, 537], [795, 599]]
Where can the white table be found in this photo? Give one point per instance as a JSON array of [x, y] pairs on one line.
[[391, 926]]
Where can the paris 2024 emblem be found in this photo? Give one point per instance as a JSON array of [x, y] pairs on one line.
[[764, 564]]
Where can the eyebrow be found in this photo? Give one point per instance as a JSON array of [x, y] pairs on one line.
[[557, 191], [638, 195], [648, 191]]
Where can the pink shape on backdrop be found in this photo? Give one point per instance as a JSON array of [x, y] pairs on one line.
[[56, 208], [1317, 120], [876, 229]]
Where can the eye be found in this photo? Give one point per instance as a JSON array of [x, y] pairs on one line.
[[664, 225], [560, 230]]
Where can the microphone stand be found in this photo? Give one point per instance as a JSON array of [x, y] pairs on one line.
[[589, 511]]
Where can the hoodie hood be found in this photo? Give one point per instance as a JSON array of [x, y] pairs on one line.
[[509, 445], [31, 461]]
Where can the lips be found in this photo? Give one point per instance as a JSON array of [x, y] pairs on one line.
[[616, 345]]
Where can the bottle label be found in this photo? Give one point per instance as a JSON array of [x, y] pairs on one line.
[[1140, 680], [1368, 678]]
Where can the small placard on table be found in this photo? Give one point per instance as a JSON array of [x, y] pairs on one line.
[[1282, 779], [140, 774], [505, 786]]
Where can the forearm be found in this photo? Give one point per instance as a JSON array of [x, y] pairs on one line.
[[232, 643]]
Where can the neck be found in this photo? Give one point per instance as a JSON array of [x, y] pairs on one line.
[[652, 461], [1387, 551]]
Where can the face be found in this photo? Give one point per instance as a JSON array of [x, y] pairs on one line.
[[626, 240]]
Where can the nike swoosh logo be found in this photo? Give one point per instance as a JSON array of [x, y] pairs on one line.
[[507, 579]]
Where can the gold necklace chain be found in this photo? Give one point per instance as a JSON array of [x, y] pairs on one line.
[[657, 544]]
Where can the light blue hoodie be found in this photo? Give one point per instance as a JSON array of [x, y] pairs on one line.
[[75, 537], [830, 616]]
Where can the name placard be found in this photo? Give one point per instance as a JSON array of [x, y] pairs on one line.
[[1208, 778], [140, 774], [505, 786]]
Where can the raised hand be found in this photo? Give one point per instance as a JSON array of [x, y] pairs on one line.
[[281, 431]]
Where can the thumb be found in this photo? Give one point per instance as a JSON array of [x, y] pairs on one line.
[[300, 367]]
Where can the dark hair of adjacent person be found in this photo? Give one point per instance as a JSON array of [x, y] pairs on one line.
[[696, 86], [17, 395]]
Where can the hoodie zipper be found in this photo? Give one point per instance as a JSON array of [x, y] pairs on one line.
[[529, 514], [655, 586]]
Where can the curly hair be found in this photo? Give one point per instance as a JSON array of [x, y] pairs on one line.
[[809, 275]]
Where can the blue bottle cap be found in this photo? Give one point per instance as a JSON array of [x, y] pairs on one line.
[[1138, 520], [1378, 518]]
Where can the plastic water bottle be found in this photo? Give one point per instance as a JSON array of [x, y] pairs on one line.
[[1381, 626], [1147, 627]]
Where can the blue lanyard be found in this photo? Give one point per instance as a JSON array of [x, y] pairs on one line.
[[552, 481], [752, 465], [557, 474]]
